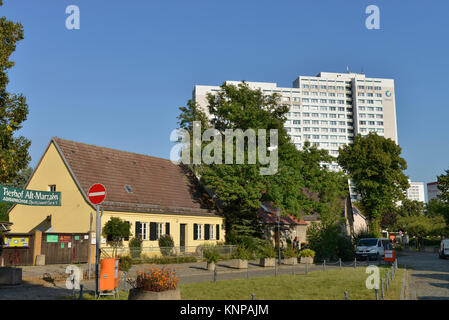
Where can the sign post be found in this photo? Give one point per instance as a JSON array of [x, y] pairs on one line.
[[97, 194]]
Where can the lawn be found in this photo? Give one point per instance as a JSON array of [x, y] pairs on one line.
[[317, 285]]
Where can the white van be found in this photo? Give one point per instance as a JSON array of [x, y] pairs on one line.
[[374, 248], [444, 249]]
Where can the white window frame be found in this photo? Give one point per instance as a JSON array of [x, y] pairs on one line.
[[144, 226], [159, 230]]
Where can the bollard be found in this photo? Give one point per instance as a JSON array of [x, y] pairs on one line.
[[346, 295], [81, 292], [215, 273], [355, 262], [253, 296], [293, 269], [377, 294], [275, 269], [339, 261], [307, 267], [247, 272], [382, 293], [386, 284]]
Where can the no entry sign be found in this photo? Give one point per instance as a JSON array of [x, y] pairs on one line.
[[97, 194]]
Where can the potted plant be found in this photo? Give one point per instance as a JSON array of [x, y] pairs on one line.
[[290, 255], [307, 256], [267, 256], [155, 284], [211, 254], [239, 258]]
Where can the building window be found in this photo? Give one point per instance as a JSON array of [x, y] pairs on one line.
[[52, 188], [197, 231], [141, 230], [160, 230]]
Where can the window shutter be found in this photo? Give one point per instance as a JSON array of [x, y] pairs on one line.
[[126, 238], [218, 232], [167, 228], [138, 229], [195, 231], [206, 232], [153, 231]]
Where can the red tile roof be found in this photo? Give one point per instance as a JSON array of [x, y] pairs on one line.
[[267, 215], [158, 185]]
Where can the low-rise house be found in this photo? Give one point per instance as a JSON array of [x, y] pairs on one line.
[[154, 195]]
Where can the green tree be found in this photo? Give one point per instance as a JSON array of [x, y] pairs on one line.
[[115, 230], [443, 186], [240, 188], [19, 182], [421, 226], [375, 166], [13, 108], [411, 208]]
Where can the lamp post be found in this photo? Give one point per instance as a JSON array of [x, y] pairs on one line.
[[278, 213]]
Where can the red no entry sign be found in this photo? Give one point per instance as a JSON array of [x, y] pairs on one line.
[[97, 194]]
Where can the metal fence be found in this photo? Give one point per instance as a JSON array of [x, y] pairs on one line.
[[225, 252]]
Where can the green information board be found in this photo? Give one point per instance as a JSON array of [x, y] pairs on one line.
[[30, 197], [52, 238]]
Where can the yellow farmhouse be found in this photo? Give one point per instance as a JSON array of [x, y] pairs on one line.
[[154, 195]]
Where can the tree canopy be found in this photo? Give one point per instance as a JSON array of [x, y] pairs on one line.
[[240, 188], [13, 108], [375, 165]]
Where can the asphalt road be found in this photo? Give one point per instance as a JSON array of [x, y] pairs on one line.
[[429, 274]]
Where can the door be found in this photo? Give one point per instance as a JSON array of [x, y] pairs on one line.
[[182, 237]]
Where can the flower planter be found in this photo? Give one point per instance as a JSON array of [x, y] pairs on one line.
[[290, 261], [308, 260], [10, 276], [139, 294], [211, 266], [267, 262], [238, 264]]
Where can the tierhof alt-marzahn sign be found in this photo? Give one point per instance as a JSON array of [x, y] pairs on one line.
[[29, 197]]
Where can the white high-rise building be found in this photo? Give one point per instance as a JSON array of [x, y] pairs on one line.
[[416, 191], [329, 109]]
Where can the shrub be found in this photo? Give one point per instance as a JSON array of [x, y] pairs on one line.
[[211, 254], [125, 263], [156, 279], [135, 247], [241, 253], [345, 249], [307, 253], [267, 251], [289, 252], [166, 244]]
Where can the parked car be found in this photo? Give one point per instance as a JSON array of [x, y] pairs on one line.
[[444, 249], [372, 248]]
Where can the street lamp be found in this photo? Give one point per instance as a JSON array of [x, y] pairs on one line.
[[278, 213]]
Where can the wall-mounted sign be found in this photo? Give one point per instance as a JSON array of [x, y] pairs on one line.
[[52, 238], [65, 238], [29, 197], [19, 242]]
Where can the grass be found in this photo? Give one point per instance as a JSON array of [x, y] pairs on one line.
[[317, 285]]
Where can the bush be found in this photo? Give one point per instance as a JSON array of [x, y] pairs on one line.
[[125, 263], [156, 279], [345, 249], [241, 253], [211, 254], [166, 244], [135, 247], [267, 251], [289, 252], [307, 253]]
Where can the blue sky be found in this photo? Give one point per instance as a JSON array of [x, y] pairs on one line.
[[119, 80]]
